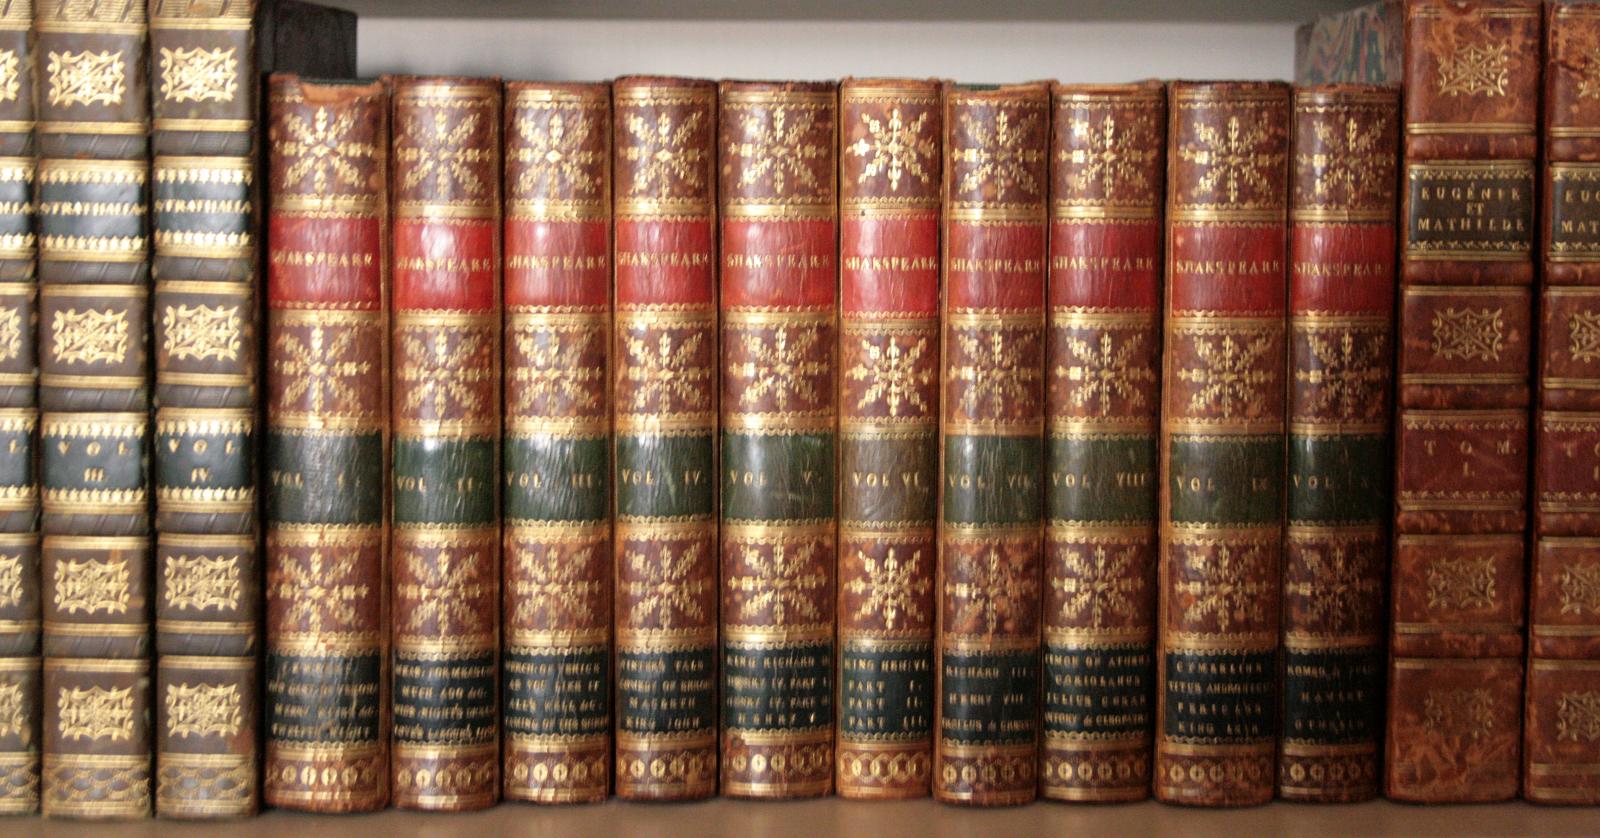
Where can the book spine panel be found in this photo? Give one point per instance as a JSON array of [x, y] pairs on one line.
[[1346, 143], [558, 533], [1103, 390], [326, 680], [19, 419], [96, 738], [203, 79], [1222, 443], [206, 737], [445, 336], [889, 144], [1461, 443], [779, 334], [665, 394], [1560, 764], [991, 529]]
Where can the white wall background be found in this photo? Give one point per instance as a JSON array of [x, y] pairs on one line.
[[567, 49]]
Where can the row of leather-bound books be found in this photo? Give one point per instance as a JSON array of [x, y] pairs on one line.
[[664, 438]]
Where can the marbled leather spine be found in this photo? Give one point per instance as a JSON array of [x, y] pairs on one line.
[[326, 682], [445, 414], [664, 393], [1467, 265], [1343, 163], [1102, 397], [890, 141], [1561, 727], [557, 668], [779, 216], [991, 527], [1222, 443]]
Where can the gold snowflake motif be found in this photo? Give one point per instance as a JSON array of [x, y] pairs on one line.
[[890, 588], [321, 150], [444, 588], [438, 374], [894, 374], [1000, 595], [1232, 375], [549, 373], [1459, 711], [551, 588], [663, 371], [1113, 155], [1339, 591], [1230, 160], [86, 78], [314, 592], [1001, 156], [1471, 70], [781, 368], [1583, 336], [1229, 588], [667, 158], [1589, 84], [1104, 372], [1350, 376], [1468, 334], [894, 149], [10, 77], [1348, 162], [1578, 717], [1580, 588], [320, 368], [775, 150], [1103, 585], [788, 583], [662, 589], [997, 374], [433, 148], [554, 156], [1459, 584]]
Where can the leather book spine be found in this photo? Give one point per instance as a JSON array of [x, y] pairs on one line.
[[208, 593], [664, 396], [557, 668], [779, 218], [96, 738], [203, 77], [19, 420], [1454, 717], [1102, 394], [206, 736], [1561, 731], [1344, 162], [1222, 443], [991, 525], [890, 141], [326, 681], [446, 417]]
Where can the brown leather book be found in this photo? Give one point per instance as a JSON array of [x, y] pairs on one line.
[[996, 184], [1108, 164], [1472, 74], [205, 709], [97, 726], [326, 683], [445, 514], [779, 307], [1344, 160], [891, 138], [557, 668], [664, 393], [1561, 731], [1222, 442]]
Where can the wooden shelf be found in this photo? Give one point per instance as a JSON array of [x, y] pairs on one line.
[[751, 819], [906, 10]]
